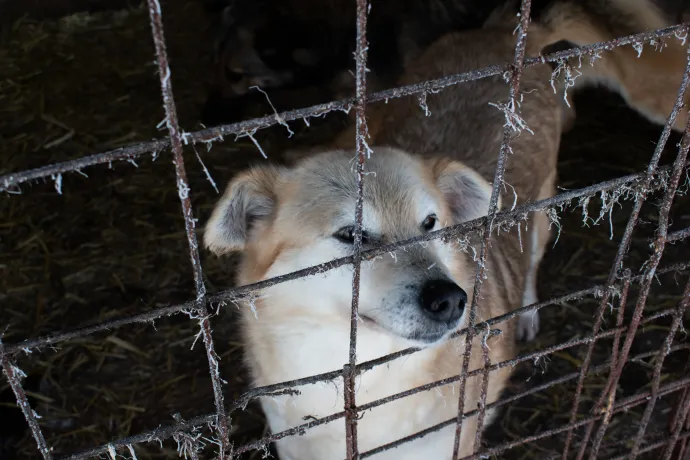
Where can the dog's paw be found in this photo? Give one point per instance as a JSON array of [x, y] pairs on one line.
[[528, 326]]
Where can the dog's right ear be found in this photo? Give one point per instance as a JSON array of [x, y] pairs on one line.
[[467, 193], [248, 199]]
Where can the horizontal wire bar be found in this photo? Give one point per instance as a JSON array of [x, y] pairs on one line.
[[201, 307], [650, 447], [626, 404], [162, 433], [250, 126], [678, 235], [624, 245], [159, 434], [509, 134], [656, 444], [513, 362], [237, 293], [527, 357], [368, 365], [361, 147], [119, 154], [136, 150]]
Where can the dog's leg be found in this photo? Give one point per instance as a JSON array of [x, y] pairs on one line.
[[539, 235], [528, 322], [568, 115]]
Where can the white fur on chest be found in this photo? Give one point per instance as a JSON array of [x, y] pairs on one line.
[[303, 346]]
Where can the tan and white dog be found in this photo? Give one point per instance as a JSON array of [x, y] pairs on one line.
[[288, 219], [425, 173], [647, 76]]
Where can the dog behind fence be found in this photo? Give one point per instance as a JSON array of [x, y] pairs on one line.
[[666, 179]]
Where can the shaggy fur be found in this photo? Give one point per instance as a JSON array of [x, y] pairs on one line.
[[426, 164]]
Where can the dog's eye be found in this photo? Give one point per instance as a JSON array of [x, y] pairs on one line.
[[429, 223], [347, 235]]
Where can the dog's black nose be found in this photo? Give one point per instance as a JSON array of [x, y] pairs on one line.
[[443, 300]]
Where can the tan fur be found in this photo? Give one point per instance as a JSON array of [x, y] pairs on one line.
[[462, 136], [432, 364], [292, 329], [649, 82]]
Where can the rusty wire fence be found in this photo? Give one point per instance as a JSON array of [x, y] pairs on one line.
[[667, 179]]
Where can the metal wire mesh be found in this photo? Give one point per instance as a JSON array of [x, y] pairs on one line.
[[619, 280]]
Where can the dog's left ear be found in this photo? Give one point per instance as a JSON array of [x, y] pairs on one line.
[[466, 192], [249, 199]]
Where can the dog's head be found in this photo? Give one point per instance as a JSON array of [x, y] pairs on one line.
[[289, 219]]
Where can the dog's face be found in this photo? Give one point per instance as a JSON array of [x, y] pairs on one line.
[[289, 219]]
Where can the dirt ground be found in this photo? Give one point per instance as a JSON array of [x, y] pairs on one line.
[[113, 244]]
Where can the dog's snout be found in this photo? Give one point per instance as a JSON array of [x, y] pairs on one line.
[[443, 300]]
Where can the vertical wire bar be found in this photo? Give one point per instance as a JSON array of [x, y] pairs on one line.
[[659, 245], [686, 442], [584, 370], [517, 67], [684, 413], [484, 391], [175, 135], [677, 318], [620, 315], [349, 372], [14, 376], [608, 394], [678, 419], [626, 239]]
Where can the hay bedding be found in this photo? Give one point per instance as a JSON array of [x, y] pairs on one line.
[[113, 244]]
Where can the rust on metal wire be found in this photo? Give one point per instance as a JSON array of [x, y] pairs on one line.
[[678, 235], [14, 377], [619, 278], [624, 245], [626, 404], [683, 416], [365, 366], [633, 181], [163, 433], [487, 230], [659, 245], [10, 180], [201, 310], [655, 445], [361, 134], [608, 394]]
